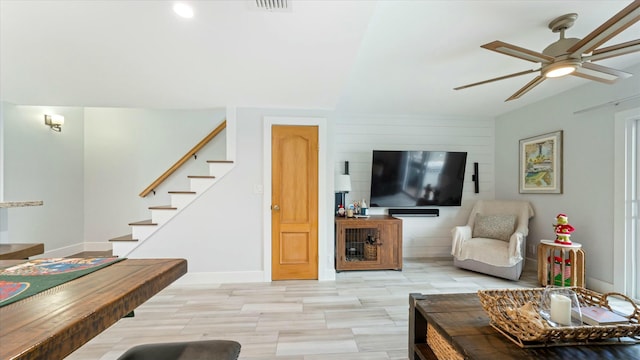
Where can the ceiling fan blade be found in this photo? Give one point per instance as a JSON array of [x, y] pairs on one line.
[[614, 50], [620, 21], [519, 52], [533, 83], [600, 73], [496, 79]]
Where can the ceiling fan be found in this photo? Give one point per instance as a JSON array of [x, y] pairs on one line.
[[572, 56]]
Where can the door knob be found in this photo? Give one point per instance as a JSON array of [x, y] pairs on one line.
[[275, 207]]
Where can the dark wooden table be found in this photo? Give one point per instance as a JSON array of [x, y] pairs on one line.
[[54, 323], [20, 251], [460, 319]]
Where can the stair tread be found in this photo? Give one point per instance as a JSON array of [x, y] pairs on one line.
[[143, 222], [149, 222], [163, 207], [128, 237]]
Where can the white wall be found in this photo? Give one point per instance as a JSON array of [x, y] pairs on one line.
[[221, 234], [4, 229], [2, 105], [41, 164], [89, 175], [35, 157], [588, 167], [127, 149], [355, 136]]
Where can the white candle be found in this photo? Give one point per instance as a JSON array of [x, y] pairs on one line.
[[560, 309]]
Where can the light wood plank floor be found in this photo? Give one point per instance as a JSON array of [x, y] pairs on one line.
[[361, 315]]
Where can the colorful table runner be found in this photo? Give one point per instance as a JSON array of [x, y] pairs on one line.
[[34, 276]]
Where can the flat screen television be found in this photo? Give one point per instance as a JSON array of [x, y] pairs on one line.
[[417, 178]]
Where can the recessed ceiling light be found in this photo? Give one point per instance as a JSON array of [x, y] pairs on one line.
[[183, 10]]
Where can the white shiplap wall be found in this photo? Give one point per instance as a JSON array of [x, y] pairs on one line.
[[357, 135]]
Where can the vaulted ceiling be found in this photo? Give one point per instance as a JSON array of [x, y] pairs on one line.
[[388, 57]]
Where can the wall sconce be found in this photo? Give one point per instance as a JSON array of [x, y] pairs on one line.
[[55, 122]]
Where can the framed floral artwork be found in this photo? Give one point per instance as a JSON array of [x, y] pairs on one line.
[[541, 164]]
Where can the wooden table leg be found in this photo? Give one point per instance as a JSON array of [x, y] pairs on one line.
[[417, 325]]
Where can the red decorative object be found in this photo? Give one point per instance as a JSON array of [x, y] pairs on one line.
[[563, 230]]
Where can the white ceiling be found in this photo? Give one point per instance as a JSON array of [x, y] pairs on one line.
[[389, 57]]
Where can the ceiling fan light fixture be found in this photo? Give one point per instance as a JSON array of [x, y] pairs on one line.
[[573, 56], [560, 69]]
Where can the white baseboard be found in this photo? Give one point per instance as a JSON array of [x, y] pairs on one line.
[[327, 275], [531, 264], [598, 285], [591, 283], [74, 249], [61, 252], [97, 246], [426, 251]]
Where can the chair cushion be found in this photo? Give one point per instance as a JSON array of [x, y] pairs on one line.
[[498, 227]]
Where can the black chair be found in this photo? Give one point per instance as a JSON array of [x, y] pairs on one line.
[[194, 350]]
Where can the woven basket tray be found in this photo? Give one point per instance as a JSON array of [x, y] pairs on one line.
[[518, 326]]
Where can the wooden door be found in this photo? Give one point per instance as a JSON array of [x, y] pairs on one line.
[[294, 202]]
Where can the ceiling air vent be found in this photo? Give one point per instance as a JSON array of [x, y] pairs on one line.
[[271, 5]]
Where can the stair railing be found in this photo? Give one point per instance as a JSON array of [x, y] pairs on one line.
[[184, 159]]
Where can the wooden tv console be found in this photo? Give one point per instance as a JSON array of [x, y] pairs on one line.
[[354, 252]]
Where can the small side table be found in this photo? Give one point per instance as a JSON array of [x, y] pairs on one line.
[[571, 274]]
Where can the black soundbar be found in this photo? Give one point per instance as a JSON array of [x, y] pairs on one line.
[[415, 212]]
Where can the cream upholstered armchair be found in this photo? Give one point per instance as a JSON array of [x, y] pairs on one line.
[[494, 240]]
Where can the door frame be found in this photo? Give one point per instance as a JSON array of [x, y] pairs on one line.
[[326, 270], [622, 247]]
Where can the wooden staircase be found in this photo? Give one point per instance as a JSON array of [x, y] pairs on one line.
[[162, 214]]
